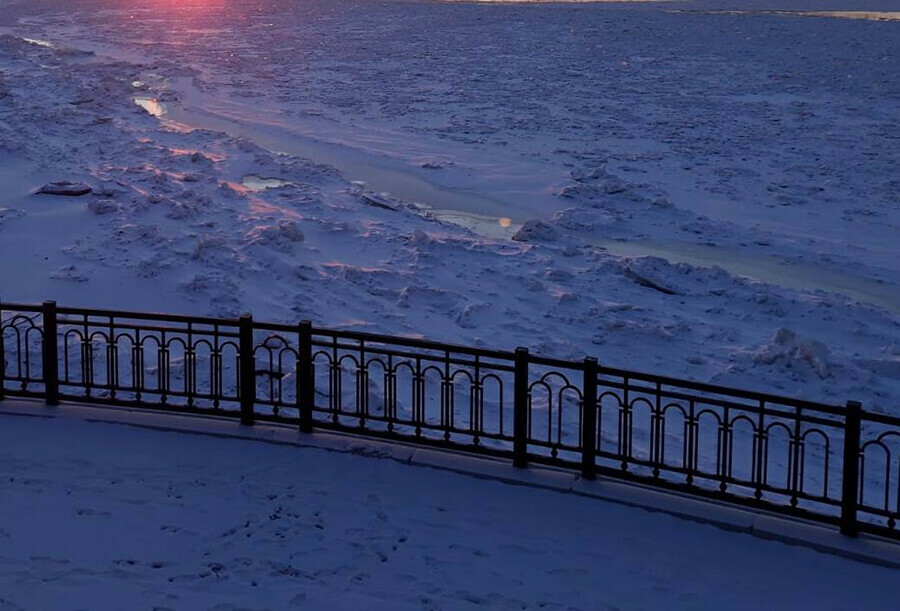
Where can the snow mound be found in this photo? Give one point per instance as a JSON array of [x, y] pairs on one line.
[[789, 350]]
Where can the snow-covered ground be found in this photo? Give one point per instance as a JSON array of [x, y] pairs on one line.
[[754, 154], [102, 516]]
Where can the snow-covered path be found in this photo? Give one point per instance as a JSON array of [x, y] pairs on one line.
[[759, 147], [101, 516]]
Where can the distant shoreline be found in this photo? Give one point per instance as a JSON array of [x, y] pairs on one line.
[[868, 15]]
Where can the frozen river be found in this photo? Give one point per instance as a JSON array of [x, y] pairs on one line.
[[750, 148], [764, 126]]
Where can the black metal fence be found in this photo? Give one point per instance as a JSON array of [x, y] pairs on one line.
[[838, 465]]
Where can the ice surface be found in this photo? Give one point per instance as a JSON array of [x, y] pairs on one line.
[[753, 156]]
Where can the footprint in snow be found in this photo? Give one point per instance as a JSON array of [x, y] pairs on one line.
[[86, 511], [522, 549], [47, 560], [8, 605], [567, 572], [470, 550]]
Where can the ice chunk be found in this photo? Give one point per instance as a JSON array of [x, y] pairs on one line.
[[646, 282], [379, 201], [7, 214], [653, 273], [790, 349], [419, 238], [291, 230], [109, 188], [103, 206], [65, 187], [534, 230]]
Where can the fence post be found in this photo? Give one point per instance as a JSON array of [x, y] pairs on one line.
[[307, 396], [520, 409], [248, 368], [850, 496], [2, 356], [589, 418], [49, 356]]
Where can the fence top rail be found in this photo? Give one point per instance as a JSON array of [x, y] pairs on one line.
[[377, 338], [881, 419], [487, 367], [714, 389], [19, 307], [153, 316], [701, 403], [554, 362], [424, 344]]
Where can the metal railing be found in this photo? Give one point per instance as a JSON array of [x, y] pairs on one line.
[[837, 465]]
